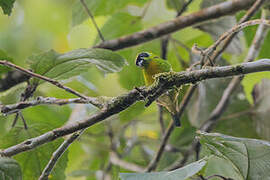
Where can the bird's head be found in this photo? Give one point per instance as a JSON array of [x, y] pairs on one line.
[[143, 59]]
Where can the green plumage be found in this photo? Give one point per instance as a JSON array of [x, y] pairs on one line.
[[152, 65]]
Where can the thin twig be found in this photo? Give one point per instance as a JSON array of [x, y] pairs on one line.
[[114, 159], [161, 120], [184, 8], [54, 82], [93, 19], [14, 108], [58, 153], [233, 30]]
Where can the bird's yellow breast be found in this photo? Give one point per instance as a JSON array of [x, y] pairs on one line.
[[150, 71]]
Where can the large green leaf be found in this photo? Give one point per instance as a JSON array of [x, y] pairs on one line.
[[10, 169], [249, 157], [7, 6], [100, 7], [178, 174], [62, 66]]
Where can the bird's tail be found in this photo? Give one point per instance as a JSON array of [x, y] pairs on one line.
[[176, 119]]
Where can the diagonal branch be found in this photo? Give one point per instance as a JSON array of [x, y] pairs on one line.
[[54, 82], [163, 83], [93, 19], [176, 24], [114, 159], [57, 154]]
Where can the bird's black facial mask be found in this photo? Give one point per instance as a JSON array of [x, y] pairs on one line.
[[140, 61]]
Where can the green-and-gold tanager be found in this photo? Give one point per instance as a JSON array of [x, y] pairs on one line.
[[152, 65]]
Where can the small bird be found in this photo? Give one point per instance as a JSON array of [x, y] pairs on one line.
[[152, 65]]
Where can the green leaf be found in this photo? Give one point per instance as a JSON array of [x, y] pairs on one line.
[[7, 6], [175, 4], [35, 161], [40, 119], [125, 23], [250, 80], [100, 7], [10, 169], [13, 94], [62, 66], [133, 111], [178, 174], [4, 56], [249, 157]]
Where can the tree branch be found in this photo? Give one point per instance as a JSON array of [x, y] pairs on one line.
[[57, 154], [176, 24], [93, 19], [54, 82], [114, 159], [14, 108], [163, 83]]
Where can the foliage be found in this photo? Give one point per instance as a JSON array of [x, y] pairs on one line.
[[62, 66], [10, 169], [7, 6], [248, 157], [181, 173]]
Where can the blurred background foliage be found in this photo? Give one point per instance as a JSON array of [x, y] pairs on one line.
[[36, 26]]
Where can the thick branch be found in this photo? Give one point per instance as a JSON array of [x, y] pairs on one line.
[[164, 82], [176, 24]]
